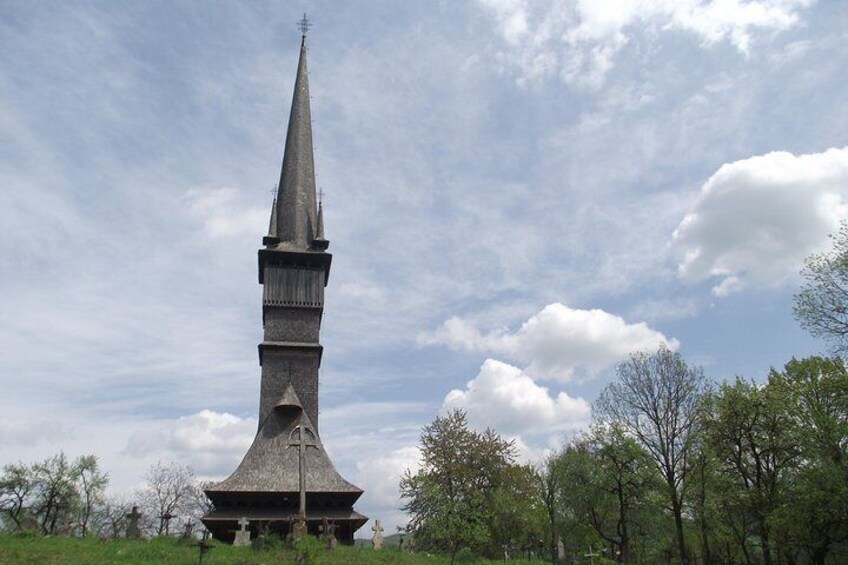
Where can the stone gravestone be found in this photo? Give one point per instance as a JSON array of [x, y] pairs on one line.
[[242, 535], [377, 540], [132, 526], [560, 549]]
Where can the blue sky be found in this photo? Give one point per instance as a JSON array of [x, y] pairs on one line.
[[518, 194]]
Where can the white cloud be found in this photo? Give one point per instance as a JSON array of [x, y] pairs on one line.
[[756, 219], [557, 343], [380, 476], [580, 39], [510, 402], [212, 443], [222, 214]]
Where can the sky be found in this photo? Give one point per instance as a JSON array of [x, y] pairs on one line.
[[518, 195]]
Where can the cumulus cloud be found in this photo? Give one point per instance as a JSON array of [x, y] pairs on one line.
[[210, 442], [380, 476], [557, 343], [580, 39], [756, 219], [509, 401]]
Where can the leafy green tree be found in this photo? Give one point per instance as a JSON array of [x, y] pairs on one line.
[[625, 476], [821, 306], [656, 399], [450, 497], [550, 486], [517, 509], [749, 429], [816, 516], [578, 499], [53, 492]]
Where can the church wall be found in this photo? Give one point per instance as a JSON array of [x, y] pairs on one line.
[[298, 365], [292, 324]]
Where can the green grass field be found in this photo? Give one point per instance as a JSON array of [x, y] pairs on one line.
[[76, 551]]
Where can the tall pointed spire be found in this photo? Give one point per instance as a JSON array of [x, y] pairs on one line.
[[297, 214]]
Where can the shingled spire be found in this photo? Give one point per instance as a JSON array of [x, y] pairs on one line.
[[296, 213]]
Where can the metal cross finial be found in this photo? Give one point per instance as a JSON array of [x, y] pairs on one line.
[[321, 194], [304, 24]]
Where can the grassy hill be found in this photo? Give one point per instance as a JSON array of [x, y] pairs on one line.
[[91, 551]]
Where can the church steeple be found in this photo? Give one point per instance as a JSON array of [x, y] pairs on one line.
[[275, 486], [296, 213]]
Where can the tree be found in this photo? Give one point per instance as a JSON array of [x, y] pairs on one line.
[[16, 486], [450, 497], [170, 491], [92, 489], [821, 306], [111, 517], [656, 399], [625, 477], [816, 515], [517, 513], [56, 494], [549, 480], [749, 429]]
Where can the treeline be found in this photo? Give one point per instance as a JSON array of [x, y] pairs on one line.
[[672, 470], [58, 496]]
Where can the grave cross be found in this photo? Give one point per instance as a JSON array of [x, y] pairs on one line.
[[591, 555], [204, 545], [165, 522], [304, 440], [132, 526], [243, 523]]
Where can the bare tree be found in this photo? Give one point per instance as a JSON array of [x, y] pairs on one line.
[[16, 488], [111, 517], [170, 491], [656, 399]]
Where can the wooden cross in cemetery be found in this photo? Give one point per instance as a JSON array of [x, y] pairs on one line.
[[165, 522], [591, 555], [204, 545], [302, 437]]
